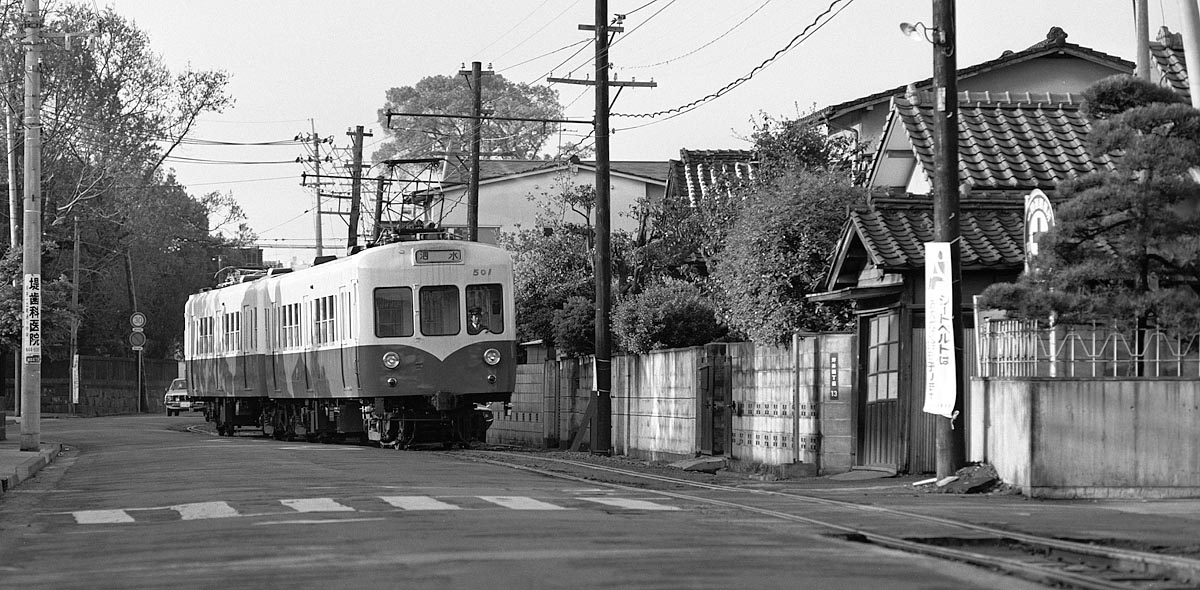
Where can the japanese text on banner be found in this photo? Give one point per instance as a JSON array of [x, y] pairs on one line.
[[940, 375]]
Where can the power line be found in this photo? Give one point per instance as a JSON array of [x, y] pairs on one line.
[[812, 27], [702, 47]]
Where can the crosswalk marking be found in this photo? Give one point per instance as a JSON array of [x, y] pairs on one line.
[[417, 503], [102, 516], [203, 510], [630, 503], [316, 505], [208, 510], [520, 503]]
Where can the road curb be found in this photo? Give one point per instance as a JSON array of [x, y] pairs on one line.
[[29, 467]]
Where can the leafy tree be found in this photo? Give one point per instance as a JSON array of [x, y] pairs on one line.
[[575, 327], [549, 268], [57, 311], [112, 113], [452, 96], [554, 262], [1126, 243], [685, 237], [670, 314], [777, 254]]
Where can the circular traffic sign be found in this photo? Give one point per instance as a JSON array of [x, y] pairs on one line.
[[137, 320], [137, 339]]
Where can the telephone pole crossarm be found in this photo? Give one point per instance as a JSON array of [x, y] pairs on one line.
[[611, 83]]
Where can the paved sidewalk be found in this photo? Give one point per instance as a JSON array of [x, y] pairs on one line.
[[17, 465]]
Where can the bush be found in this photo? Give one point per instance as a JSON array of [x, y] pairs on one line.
[[673, 314], [575, 327]]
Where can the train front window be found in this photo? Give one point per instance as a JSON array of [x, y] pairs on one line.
[[485, 309], [393, 312], [439, 310]]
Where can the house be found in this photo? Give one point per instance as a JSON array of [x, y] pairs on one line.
[[1166, 53], [513, 193], [1021, 132], [1050, 66]]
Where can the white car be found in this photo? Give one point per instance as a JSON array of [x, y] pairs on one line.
[[177, 400]]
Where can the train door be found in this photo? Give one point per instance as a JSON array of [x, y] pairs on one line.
[[347, 348], [246, 332]]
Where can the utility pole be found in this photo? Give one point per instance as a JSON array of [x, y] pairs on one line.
[[31, 326], [316, 160], [601, 442], [75, 319], [1190, 13], [1141, 19], [951, 442], [14, 210], [476, 81], [355, 185]]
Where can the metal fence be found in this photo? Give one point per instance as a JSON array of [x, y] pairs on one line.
[[1028, 348]]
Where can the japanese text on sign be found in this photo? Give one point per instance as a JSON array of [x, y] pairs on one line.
[[31, 320], [940, 372]]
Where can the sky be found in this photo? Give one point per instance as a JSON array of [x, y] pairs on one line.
[[299, 66]]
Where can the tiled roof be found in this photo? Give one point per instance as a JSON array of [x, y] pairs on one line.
[[1055, 42], [1007, 141], [894, 231], [1167, 54], [698, 173]]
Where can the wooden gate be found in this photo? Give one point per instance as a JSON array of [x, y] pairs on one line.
[[716, 396]]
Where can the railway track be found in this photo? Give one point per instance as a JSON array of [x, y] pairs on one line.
[[1043, 560]]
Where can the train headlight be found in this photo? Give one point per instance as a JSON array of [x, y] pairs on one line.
[[491, 356], [391, 360]]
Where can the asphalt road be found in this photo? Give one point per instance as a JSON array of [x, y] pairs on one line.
[[144, 502]]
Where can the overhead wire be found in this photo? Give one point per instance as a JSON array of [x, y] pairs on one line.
[[816, 25], [701, 47]]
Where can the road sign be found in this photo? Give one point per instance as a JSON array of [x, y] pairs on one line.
[[137, 340], [137, 320]]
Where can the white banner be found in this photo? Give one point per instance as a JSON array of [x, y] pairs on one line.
[[31, 320], [940, 375]]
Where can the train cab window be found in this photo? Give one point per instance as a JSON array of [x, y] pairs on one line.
[[439, 310], [485, 309], [393, 312]]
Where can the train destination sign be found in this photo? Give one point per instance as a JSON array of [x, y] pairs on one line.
[[448, 256]]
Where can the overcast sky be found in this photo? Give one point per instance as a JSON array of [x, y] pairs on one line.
[[297, 65]]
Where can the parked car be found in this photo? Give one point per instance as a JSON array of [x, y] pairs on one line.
[[177, 400]]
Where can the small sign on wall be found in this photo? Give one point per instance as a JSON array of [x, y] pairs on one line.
[[833, 376]]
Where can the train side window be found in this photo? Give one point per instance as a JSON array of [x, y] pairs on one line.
[[485, 309], [325, 324], [439, 310], [393, 312]]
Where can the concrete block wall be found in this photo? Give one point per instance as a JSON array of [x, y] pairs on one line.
[[654, 404], [522, 422], [1094, 438]]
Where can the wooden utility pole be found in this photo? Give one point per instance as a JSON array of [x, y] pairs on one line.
[[1190, 13], [601, 442], [1141, 20], [476, 74], [316, 160], [951, 442], [31, 326], [355, 185]]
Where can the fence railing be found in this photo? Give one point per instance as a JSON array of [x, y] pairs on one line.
[[1028, 348]]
